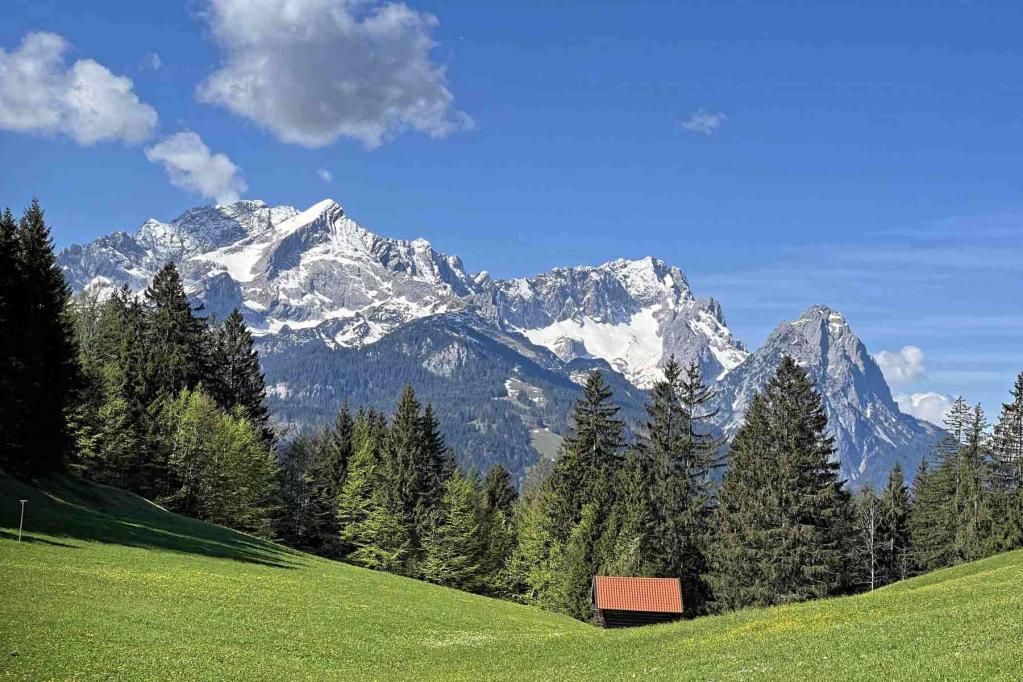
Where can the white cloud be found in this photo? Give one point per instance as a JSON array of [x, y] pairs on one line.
[[325, 175], [702, 121], [311, 71], [928, 406], [150, 62], [901, 367], [191, 166], [86, 102]]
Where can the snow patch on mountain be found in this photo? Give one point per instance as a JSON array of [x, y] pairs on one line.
[[634, 348]]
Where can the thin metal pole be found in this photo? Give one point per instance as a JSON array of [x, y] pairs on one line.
[[21, 523]]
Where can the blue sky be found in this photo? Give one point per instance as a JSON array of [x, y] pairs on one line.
[[782, 154]]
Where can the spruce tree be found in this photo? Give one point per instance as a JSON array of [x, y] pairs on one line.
[[48, 376], [498, 499], [784, 518], [498, 492], [590, 457], [895, 544], [175, 338], [579, 561], [747, 509], [535, 563], [297, 525], [238, 380], [931, 518], [627, 547], [438, 462], [683, 454], [1008, 462], [11, 360], [1008, 438], [976, 535], [407, 469], [371, 521], [453, 551], [330, 454]]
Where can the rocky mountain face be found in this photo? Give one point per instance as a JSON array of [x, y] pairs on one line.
[[341, 312], [632, 314], [871, 434]]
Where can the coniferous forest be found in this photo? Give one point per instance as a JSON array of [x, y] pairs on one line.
[[144, 392]]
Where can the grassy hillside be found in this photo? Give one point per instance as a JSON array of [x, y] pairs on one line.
[[107, 585]]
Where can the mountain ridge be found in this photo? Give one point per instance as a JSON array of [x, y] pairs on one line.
[[317, 286]]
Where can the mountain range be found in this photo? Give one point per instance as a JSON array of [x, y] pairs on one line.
[[342, 313]]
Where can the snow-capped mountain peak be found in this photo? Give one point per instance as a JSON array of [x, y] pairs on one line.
[[316, 284]]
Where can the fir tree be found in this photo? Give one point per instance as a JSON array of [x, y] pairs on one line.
[[371, 520], [238, 380], [437, 463], [47, 375], [330, 453], [895, 511], [747, 509], [497, 499], [405, 456], [590, 456], [975, 531], [579, 560], [175, 338], [1008, 463], [534, 564], [931, 520], [498, 492], [11, 360], [453, 552], [683, 453], [784, 518], [627, 546], [298, 524]]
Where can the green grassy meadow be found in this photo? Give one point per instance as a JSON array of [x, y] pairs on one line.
[[106, 585]]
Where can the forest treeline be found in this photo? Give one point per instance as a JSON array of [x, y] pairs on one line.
[[143, 392]]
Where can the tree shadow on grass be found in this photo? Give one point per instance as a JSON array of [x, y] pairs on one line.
[[67, 507], [34, 540]]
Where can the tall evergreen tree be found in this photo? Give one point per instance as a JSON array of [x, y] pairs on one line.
[[783, 516], [48, 376], [438, 462], [371, 519], [175, 338], [498, 492], [628, 545], [454, 552], [895, 511], [331, 451], [580, 557], [590, 457], [1008, 461], [11, 360], [975, 535], [931, 521], [682, 453], [535, 563], [407, 468], [497, 499], [238, 380]]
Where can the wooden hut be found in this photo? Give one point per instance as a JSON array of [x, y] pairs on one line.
[[622, 602]]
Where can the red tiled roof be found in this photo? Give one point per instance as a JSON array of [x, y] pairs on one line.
[[659, 595]]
